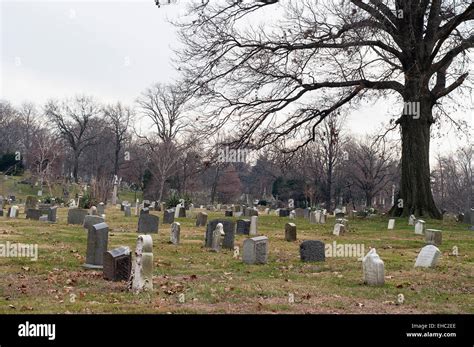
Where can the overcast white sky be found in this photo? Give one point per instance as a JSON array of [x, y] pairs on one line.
[[111, 50]]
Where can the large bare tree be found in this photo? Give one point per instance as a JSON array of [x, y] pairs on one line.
[[73, 120], [118, 118], [275, 78]]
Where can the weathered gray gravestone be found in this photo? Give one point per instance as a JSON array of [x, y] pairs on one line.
[[299, 213], [229, 231], [52, 213], [217, 235], [90, 221], [33, 214], [428, 256], [373, 269], [284, 212], [182, 212], [255, 250], [312, 250], [93, 211], [420, 227], [118, 264], [142, 274], [253, 225], [243, 227], [175, 233], [97, 241], [76, 216], [43, 218], [201, 219], [290, 232], [148, 224], [411, 220], [127, 211], [101, 209], [339, 229], [433, 237], [168, 216]]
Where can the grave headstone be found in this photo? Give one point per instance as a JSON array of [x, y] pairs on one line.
[[243, 227], [253, 225], [229, 231], [43, 218], [33, 214], [13, 212], [411, 220], [339, 229], [168, 216], [433, 237], [322, 218], [217, 235], [97, 241], [127, 211], [290, 232], [93, 211], [312, 218], [307, 211], [101, 209], [373, 269], [312, 250], [117, 264], [283, 212], [391, 224], [148, 224], [299, 213], [90, 221], [52, 214], [255, 250], [76, 216], [420, 227], [142, 275], [177, 211], [175, 233], [428, 256], [201, 219]]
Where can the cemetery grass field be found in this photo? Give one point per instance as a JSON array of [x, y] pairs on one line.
[[219, 283]]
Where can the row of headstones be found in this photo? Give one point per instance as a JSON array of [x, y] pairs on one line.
[[255, 251], [45, 214], [432, 236]]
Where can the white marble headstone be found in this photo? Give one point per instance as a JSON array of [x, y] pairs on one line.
[[391, 224], [420, 227], [339, 229], [428, 256], [373, 268]]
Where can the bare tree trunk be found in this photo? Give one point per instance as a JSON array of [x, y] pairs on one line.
[[75, 169], [415, 196]]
